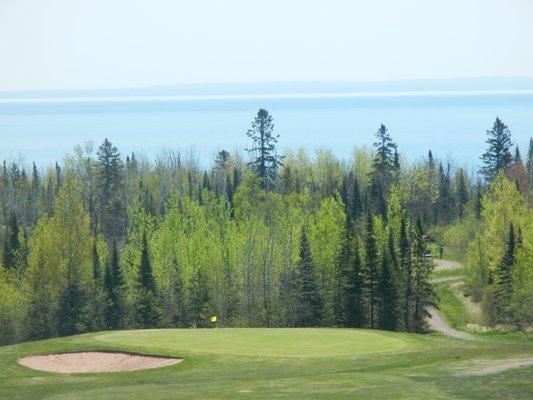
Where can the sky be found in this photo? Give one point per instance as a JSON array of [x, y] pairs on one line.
[[94, 44]]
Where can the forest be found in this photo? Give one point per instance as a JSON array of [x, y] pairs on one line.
[[104, 240]]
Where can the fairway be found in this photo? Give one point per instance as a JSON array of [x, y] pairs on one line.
[[260, 342], [282, 364]]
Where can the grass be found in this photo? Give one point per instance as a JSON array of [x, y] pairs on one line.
[[447, 273], [452, 309], [279, 363]]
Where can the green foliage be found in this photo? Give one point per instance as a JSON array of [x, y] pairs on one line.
[[309, 310], [498, 156]]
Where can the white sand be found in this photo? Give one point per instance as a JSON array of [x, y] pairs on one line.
[[95, 361]]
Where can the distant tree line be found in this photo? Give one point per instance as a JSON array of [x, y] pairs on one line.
[[103, 241]]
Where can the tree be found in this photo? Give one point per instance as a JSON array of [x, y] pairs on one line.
[[147, 308], [529, 164], [265, 162], [498, 156], [97, 269], [349, 282], [388, 299], [461, 190], [505, 277], [422, 289], [110, 180], [114, 285], [309, 300], [11, 243], [59, 275], [371, 270], [405, 271], [199, 299], [383, 170], [356, 204], [445, 200]]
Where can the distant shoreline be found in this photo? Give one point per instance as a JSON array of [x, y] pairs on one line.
[[258, 96]]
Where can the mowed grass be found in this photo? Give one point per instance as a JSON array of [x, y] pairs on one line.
[[279, 364], [261, 342]]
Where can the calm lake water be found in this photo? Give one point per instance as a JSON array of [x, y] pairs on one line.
[[452, 125]]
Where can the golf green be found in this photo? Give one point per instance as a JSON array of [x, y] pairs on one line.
[[260, 342]]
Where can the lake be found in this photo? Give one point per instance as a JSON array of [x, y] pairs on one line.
[[452, 124]]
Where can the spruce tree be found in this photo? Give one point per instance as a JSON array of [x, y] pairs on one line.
[[349, 282], [147, 308], [355, 316], [356, 208], [529, 164], [404, 267], [114, 285], [498, 155], [72, 313], [371, 271], [445, 201], [461, 190], [388, 299], [383, 171], [505, 277], [110, 183], [309, 300], [265, 162], [422, 289], [199, 300], [11, 244]]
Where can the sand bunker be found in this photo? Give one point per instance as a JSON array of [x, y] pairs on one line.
[[95, 361]]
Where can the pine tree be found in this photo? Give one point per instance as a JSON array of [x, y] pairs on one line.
[[72, 312], [356, 208], [404, 266], [354, 295], [505, 277], [461, 192], [477, 200], [114, 285], [388, 299], [199, 299], [422, 289], [497, 157], [11, 244], [148, 312], [309, 300], [371, 271], [445, 201], [110, 181], [265, 162], [529, 164], [383, 171], [349, 282], [59, 178]]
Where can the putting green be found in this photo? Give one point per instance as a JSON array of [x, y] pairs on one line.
[[259, 342]]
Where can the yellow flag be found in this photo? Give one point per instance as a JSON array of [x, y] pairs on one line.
[[214, 318]]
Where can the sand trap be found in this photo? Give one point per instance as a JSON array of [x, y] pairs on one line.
[[95, 361]]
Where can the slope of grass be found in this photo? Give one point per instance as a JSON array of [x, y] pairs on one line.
[[278, 363]]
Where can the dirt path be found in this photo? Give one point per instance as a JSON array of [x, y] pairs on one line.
[[435, 320], [493, 367], [442, 265], [448, 279], [437, 323]]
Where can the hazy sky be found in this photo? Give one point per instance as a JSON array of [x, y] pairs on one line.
[[53, 44]]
